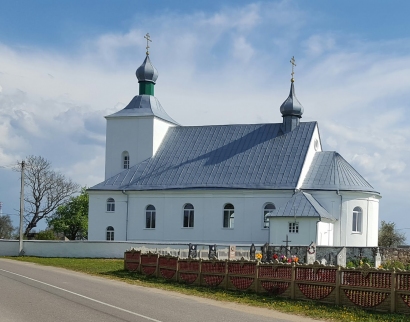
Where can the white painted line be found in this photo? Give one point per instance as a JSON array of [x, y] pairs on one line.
[[83, 296]]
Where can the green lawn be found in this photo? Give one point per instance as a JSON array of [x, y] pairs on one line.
[[113, 269]]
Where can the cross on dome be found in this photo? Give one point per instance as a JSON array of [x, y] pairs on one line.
[[148, 38], [293, 62]]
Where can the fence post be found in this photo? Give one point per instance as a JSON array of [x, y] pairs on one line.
[[200, 271], [293, 282], [226, 274], [338, 283], [257, 277], [177, 272], [393, 291], [157, 274]]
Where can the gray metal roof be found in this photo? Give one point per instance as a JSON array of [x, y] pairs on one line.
[[147, 72], [302, 204], [249, 156], [144, 105], [329, 171]]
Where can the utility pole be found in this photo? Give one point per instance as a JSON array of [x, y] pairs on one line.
[[21, 209]]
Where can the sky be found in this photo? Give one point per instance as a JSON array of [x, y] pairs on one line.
[[65, 65]]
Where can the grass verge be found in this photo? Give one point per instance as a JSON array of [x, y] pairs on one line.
[[113, 269]]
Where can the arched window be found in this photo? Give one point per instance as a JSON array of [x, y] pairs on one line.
[[125, 160], [269, 207], [229, 215], [110, 205], [110, 233], [150, 217], [357, 220], [188, 215]]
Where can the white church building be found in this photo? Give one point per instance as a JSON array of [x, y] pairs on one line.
[[226, 184]]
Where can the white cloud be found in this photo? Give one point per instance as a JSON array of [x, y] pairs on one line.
[[318, 44], [243, 51]]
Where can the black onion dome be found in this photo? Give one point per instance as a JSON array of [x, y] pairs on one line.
[[147, 72], [291, 106]]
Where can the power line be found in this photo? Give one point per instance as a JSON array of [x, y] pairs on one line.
[[7, 166]]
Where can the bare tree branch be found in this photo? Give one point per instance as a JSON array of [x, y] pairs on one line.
[[46, 190]]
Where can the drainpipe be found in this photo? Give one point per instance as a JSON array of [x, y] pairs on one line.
[[340, 218], [367, 224], [126, 221]]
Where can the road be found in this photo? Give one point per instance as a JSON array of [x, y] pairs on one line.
[[30, 292]]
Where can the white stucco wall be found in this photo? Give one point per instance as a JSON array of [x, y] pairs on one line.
[[340, 206], [105, 249], [99, 219], [315, 145], [160, 129], [324, 234], [9, 247], [370, 220], [131, 134], [280, 228], [208, 222], [139, 136], [248, 227]]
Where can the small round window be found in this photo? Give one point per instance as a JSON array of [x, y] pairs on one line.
[[316, 145]]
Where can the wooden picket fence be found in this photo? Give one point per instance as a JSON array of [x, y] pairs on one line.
[[366, 287]]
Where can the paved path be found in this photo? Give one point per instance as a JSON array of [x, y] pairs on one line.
[[35, 293]]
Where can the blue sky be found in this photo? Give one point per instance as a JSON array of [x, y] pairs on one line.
[[64, 65]]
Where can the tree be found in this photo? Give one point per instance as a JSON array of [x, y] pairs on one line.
[[46, 235], [47, 190], [6, 227], [389, 236], [71, 219]]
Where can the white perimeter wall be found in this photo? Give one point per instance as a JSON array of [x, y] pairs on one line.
[[9, 247], [95, 249]]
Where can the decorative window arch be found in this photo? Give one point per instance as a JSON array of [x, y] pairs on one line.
[[125, 158], [269, 207], [229, 216], [150, 213], [357, 218], [188, 216], [110, 205], [110, 233]]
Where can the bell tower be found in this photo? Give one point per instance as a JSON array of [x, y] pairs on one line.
[[135, 133]]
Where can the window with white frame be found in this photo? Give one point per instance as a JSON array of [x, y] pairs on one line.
[[188, 216], [269, 207], [110, 233], [150, 217], [110, 205], [357, 220], [125, 160], [294, 227], [229, 216]]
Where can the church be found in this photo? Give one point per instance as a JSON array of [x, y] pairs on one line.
[[226, 184]]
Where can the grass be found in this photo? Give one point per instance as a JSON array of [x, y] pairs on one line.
[[113, 269]]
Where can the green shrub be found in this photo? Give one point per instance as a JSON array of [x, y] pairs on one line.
[[390, 264], [357, 262], [46, 235]]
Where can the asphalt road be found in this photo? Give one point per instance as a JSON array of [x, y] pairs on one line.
[[34, 293]]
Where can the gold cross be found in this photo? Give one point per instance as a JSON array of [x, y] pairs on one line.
[[293, 62], [147, 37]]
